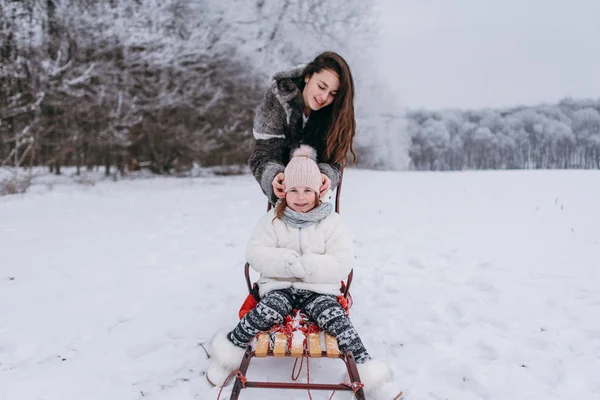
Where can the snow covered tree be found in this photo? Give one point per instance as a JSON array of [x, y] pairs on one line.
[[168, 83], [547, 136], [586, 127]]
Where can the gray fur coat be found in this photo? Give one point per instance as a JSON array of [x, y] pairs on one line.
[[278, 130]]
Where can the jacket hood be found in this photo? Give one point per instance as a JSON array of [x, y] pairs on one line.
[[285, 84]]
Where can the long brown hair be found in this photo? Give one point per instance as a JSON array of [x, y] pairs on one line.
[[342, 125], [280, 208]]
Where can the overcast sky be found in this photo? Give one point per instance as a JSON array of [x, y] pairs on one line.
[[490, 53]]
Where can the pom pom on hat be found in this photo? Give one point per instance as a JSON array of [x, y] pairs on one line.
[[302, 170], [305, 151]]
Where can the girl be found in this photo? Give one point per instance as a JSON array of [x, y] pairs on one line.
[[302, 250], [313, 105]]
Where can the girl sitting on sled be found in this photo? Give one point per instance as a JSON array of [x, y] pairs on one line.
[[302, 250]]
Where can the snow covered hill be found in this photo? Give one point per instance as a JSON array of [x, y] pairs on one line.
[[473, 285]]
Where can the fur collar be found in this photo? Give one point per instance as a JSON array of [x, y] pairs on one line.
[[284, 84]]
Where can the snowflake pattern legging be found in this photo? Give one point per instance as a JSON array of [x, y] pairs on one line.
[[321, 308]]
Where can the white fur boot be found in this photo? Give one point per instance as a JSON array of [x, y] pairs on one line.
[[378, 378], [226, 357]]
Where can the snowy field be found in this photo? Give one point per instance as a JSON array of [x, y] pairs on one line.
[[474, 285]]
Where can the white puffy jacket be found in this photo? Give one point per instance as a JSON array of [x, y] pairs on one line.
[[324, 251]]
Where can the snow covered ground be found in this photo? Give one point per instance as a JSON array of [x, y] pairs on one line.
[[473, 285]]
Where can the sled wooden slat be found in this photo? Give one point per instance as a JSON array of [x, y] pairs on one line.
[[314, 345], [331, 346], [297, 349], [262, 345], [280, 345]]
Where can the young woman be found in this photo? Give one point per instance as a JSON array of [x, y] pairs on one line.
[[313, 105], [302, 250]]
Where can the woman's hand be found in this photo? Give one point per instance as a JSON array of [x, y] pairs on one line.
[[278, 187], [325, 186]]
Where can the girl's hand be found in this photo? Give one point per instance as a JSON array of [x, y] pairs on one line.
[[325, 186], [296, 269], [278, 187]]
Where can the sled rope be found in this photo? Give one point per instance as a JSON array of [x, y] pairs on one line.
[[305, 355], [238, 375], [299, 370], [298, 321], [307, 370], [306, 328], [286, 328], [355, 386]]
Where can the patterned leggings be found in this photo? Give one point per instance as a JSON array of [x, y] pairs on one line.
[[323, 309]]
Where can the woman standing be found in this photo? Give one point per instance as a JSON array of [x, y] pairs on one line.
[[312, 105]]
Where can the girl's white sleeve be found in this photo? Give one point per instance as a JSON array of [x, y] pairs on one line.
[[263, 254], [338, 260]]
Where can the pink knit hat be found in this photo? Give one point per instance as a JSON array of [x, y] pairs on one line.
[[302, 170]]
